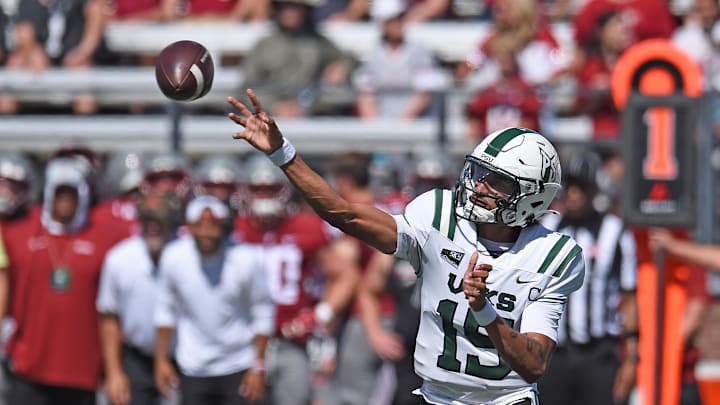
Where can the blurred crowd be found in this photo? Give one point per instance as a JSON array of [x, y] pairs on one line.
[[518, 75]]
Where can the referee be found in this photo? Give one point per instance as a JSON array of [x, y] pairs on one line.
[[596, 356]]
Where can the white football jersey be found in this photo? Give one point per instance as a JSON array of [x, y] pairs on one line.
[[528, 286]]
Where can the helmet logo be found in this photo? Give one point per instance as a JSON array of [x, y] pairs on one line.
[[549, 170]]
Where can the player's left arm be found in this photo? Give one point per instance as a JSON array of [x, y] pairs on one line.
[[526, 351]]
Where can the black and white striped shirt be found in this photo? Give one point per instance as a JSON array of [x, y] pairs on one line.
[[593, 311]]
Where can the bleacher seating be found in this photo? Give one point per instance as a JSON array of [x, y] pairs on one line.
[[126, 85]]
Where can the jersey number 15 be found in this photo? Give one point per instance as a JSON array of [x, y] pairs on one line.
[[448, 359]]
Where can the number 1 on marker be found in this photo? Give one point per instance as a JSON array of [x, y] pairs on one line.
[[660, 162]]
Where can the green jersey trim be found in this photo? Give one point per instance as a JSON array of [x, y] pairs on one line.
[[553, 253], [566, 261], [444, 220]]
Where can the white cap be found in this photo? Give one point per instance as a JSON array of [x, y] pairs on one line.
[[383, 10], [199, 204]]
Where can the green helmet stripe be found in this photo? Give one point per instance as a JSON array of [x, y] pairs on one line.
[[503, 138]]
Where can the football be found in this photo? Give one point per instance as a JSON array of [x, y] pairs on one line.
[[184, 71]]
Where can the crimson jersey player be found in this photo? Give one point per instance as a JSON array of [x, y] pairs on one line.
[[307, 291], [54, 262], [123, 176], [647, 18], [291, 249]]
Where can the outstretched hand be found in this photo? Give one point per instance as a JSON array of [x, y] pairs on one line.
[[260, 129]]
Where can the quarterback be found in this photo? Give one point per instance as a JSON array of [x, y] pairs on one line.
[[493, 281]]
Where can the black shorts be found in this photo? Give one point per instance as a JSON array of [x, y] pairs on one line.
[[26, 392]]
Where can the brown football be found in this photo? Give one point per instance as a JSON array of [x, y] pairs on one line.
[[184, 71]]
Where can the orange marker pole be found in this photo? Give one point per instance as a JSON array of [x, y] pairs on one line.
[[661, 311]]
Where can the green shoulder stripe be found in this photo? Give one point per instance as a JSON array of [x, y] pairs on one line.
[[444, 219], [453, 221], [553, 253], [566, 261], [438, 208]]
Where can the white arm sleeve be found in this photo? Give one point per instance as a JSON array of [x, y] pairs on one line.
[[543, 315], [165, 306]]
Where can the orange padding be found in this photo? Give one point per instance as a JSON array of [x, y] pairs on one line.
[[674, 314], [657, 81], [710, 391]]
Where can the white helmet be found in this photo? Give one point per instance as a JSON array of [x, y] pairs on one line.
[[518, 162], [17, 178], [268, 190], [169, 165], [220, 176], [124, 172]]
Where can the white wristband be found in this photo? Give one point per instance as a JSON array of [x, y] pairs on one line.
[[324, 313], [283, 154], [258, 365], [486, 315]]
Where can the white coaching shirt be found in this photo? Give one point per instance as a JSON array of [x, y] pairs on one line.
[[128, 288], [216, 326]]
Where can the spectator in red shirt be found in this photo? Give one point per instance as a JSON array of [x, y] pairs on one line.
[[139, 10], [646, 18], [54, 263], [594, 96], [518, 27], [237, 10], [508, 102]]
